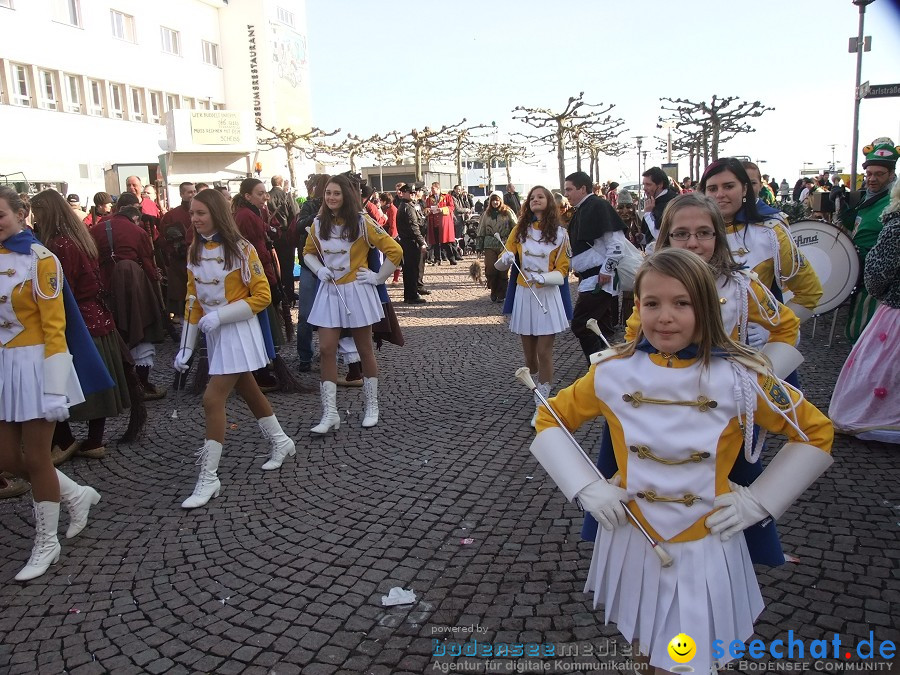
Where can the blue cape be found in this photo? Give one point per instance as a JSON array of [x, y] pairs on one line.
[[92, 373]]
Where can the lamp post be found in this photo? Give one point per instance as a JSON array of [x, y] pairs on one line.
[[640, 139], [860, 41]]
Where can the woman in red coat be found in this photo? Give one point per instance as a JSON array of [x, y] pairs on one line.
[[70, 241], [439, 209]]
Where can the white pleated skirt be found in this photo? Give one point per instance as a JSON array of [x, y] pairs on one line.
[[22, 384], [236, 348], [710, 593], [328, 310], [527, 317]]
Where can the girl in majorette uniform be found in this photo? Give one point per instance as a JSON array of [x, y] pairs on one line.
[[227, 279], [58, 227], [760, 238], [541, 246], [681, 400], [693, 222], [337, 251], [38, 381]]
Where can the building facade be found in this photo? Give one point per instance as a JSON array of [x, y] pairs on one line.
[[88, 84]]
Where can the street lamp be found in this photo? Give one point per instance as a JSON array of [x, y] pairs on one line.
[[860, 41], [640, 139]]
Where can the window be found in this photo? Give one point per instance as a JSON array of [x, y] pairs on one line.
[[286, 17], [218, 106], [122, 25], [170, 41], [189, 103], [19, 87], [67, 11], [172, 102], [115, 101], [137, 105], [155, 107], [95, 98], [210, 53], [72, 90]]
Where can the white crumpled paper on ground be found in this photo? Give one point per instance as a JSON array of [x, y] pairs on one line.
[[398, 596]]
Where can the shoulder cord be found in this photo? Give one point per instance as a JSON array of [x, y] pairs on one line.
[[795, 254], [36, 286], [744, 393], [245, 265], [743, 283]]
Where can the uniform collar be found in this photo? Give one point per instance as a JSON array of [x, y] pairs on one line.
[[21, 243], [689, 352], [215, 236]]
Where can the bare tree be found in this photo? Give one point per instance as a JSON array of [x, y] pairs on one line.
[[554, 126], [351, 147], [487, 154], [460, 140], [602, 144], [294, 143], [428, 140], [718, 121]]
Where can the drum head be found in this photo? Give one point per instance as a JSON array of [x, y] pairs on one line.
[[830, 252]]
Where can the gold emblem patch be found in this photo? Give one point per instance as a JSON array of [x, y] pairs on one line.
[[53, 281], [257, 269], [776, 393]]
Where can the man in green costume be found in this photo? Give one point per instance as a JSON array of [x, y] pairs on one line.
[[864, 219]]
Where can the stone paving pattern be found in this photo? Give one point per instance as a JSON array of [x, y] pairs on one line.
[[284, 572]]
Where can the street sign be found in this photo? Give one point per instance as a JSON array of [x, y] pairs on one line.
[[881, 91], [854, 44], [863, 90]]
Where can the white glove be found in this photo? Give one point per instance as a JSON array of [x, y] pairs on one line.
[[507, 258], [757, 336], [209, 322], [181, 360], [738, 510], [56, 407], [603, 500], [366, 276], [324, 273], [536, 278]]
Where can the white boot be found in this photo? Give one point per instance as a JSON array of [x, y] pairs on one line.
[[78, 500], [545, 390], [330, 417], [208, 485], [370, 391], [282, 446], [46, 545]]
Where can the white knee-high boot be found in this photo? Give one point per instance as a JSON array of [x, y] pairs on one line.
[[544, 388], [282, 445], [330, 417], [370, 391], [46, 545], [208, 485], [78, 500]]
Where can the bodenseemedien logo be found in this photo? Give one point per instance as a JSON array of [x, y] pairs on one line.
[[682, 650]]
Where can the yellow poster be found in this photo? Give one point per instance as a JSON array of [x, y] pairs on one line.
[[215, 127]]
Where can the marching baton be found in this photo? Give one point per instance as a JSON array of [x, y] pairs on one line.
[[521, 273], [321, 255], [179, 377], [524, 375], [591, 325]]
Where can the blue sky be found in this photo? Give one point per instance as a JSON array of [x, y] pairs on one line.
[[480, 59]]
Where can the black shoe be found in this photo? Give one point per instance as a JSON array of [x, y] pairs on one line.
[[424, 292], [453, 261], [304, 366], [417, 301], [493, 297]]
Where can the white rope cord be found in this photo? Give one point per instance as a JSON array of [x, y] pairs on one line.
[[35, 283]]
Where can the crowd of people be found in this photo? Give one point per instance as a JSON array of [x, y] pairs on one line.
[[709, 336]]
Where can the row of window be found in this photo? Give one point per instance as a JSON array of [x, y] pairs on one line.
[[55, 90], [69, 11]]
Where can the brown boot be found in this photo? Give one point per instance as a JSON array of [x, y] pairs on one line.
[[151, 392], [12, 486]]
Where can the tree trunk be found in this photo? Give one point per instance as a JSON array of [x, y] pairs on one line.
[[691, 162], [352, 157], [506, 161], [490, 177], [715, 138], [705, 146], [418, 161], [290, 165], [561, 158], [459, 175], [577, 154]]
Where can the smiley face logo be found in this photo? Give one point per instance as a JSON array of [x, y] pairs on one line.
[[682, 648]]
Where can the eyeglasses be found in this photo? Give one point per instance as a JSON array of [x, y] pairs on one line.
[[701, 235], [877, 174]]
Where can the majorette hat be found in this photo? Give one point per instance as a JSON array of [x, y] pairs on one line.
[[881, 152]]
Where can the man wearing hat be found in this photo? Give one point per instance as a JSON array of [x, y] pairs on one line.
[[75, 202], [409, 232], [864, 219]]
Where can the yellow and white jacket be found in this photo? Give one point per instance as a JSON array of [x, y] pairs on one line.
[[345, 258], [540, 257], [215, 285]]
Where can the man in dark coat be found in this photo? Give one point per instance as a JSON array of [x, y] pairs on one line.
[[590, 231], [658, 194], [512, 199], [409, 232], [283, 210], [177, 235]]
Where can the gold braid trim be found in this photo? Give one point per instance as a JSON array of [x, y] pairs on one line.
[[651, 496], [643, 452], [703, 404]]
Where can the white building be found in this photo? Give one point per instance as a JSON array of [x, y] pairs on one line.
[[86, 85]]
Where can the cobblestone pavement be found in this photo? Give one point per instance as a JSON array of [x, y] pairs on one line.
[[284, 572]]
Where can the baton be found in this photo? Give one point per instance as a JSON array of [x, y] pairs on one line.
[[521, 273], [591, 325], [321, 255], [524, 375], [179, 377]]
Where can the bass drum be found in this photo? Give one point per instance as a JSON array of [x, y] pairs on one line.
[[830, 252]]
